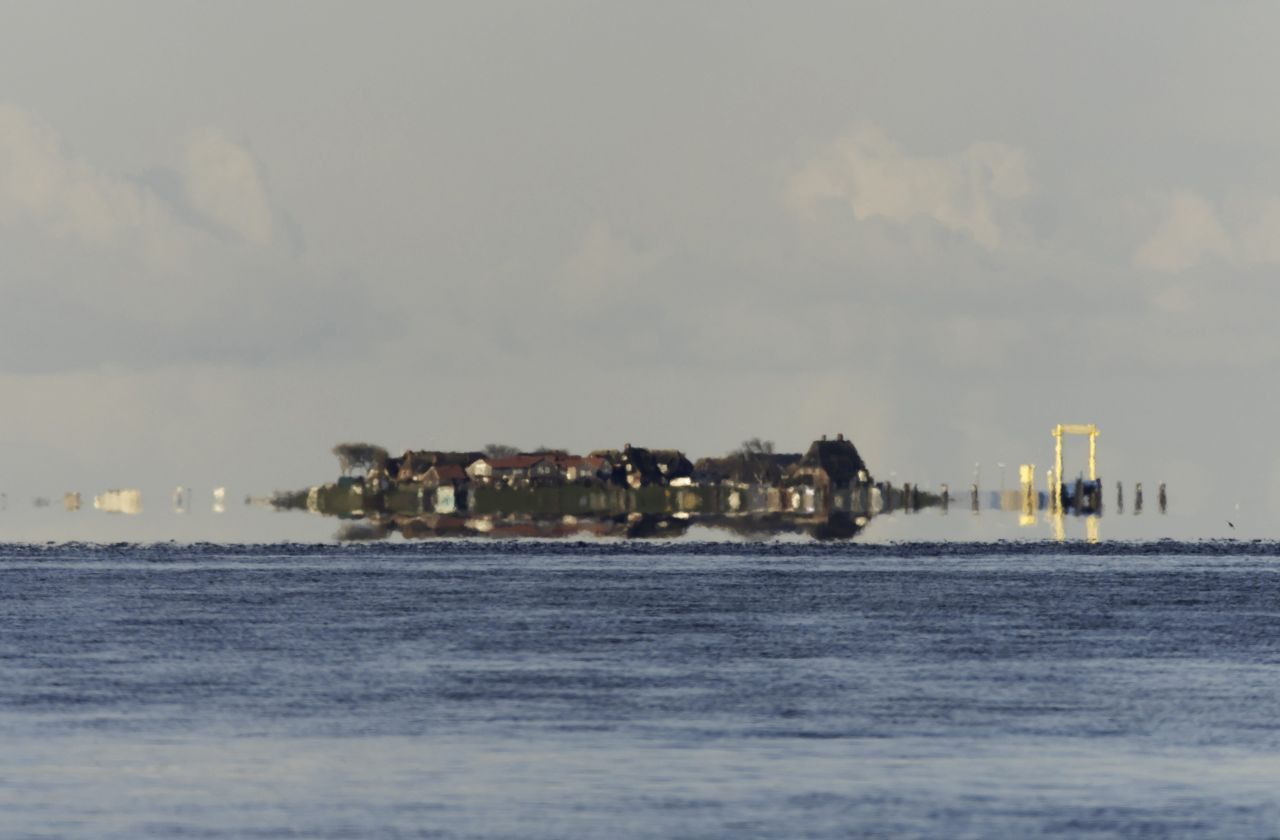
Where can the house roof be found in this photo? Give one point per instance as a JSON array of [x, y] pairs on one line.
[[641, 460], [449, 472], [423, 458], [838, 458], [594, 462]]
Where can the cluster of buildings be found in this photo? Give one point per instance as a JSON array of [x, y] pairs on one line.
[[829, 477], [829, 464], [631, 466]]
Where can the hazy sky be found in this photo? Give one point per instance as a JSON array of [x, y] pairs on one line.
[[232, 234]]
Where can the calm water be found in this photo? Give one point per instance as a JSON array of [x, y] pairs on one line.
[[688, 690]]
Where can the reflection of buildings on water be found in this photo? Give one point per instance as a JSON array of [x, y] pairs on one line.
[[437, 526], [833, 526]]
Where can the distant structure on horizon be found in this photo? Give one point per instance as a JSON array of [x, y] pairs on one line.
[[119, 501], [829, 479]]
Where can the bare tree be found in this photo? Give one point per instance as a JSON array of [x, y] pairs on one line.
[[500, 450], [353, 456], [753, 461]]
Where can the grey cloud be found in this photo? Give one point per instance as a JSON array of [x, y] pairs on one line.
[[1192, 230], [70, 200], [877, 178], [220, 184], [222, 181], [169, 266]]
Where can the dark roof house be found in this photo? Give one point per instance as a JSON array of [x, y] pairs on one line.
[[672, 464], [830, 463], [639, 468]]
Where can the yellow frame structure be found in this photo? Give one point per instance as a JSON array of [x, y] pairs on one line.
[[1061, 429]]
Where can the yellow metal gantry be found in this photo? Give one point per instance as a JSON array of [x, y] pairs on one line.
[[1061, 429]]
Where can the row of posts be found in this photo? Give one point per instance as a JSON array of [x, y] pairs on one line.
[[910, 496], [1079, 500]]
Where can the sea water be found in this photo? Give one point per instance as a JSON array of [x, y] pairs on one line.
[[451, 689]]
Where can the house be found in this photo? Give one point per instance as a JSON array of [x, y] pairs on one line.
[[584, 468], [481, 470], [413, 464], [830, 465], [745, 468], [515, 470], [676, 469], [711, 471], [543, 470], [638, 467], [442, 475]]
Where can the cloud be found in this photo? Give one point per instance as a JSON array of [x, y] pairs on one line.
[[1192, 230], [68, 198], [140, 271], [223, 182], [40, 184], [877, 178], [604, 263]]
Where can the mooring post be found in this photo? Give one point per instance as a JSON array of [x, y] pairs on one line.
[[1162, 499], [1119, 497], [1137, 498], [973, 497]]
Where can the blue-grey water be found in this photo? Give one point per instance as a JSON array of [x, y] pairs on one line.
[[640, 690]]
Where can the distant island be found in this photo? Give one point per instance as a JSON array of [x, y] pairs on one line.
[[499, 490]]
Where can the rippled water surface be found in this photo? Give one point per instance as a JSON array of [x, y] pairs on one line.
[[705, 690]]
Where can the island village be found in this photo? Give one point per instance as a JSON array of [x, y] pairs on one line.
[[826, 492]]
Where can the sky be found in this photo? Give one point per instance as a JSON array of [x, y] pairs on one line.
[[233, 234]]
